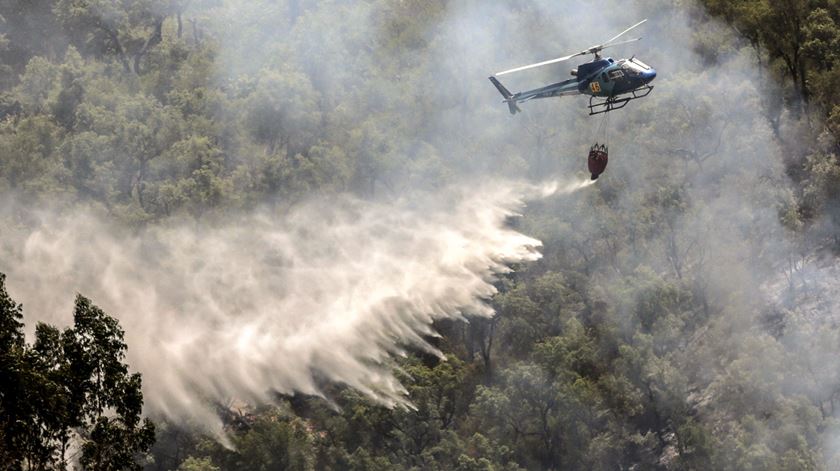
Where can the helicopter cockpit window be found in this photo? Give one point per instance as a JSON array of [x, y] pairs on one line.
[[616, 74], [629, 69], [640, 63]]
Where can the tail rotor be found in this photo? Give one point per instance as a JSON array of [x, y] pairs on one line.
[[510, 98]]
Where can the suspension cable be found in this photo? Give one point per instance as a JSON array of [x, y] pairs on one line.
[[607, 131], [601, 136]]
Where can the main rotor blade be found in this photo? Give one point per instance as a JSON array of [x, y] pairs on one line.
[[621, 42], [591, 50], [540, 64], [625, 31]]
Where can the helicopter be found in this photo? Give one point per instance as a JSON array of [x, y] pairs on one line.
[[610, 84]]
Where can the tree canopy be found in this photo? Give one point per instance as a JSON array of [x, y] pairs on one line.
[[683, 315], [68, 397]]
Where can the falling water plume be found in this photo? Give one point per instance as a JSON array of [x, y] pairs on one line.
[[266, 304]]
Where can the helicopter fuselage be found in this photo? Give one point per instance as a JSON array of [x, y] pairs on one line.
[[609, 78], [601, 78]]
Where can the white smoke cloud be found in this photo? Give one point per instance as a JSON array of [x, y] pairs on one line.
[[267, 303]]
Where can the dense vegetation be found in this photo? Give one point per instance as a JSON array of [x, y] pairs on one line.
[[670, 324]]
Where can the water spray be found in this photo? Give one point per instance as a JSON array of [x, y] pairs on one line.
[[264, 304]]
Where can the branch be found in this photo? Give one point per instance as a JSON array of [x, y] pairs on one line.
[[153, 41], [115, 40]]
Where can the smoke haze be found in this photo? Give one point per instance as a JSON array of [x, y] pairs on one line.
[[271, 301]]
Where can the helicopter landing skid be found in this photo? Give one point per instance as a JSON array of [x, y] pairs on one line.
[[617, 103]]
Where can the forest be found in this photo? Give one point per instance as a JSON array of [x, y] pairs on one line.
[[307, 235]]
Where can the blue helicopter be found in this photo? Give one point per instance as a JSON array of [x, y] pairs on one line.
[[610, 84]]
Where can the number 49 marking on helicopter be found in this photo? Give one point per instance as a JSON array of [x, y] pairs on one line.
[[611, 84]]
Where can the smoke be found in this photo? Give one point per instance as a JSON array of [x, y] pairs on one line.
[[334, 289], [694, 193], [269, 303], [338, 286]]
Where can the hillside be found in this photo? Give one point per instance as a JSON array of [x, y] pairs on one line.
[[331, 246]]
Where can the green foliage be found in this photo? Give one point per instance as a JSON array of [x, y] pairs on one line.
[[196, 464], [633, 344], [69, 387], [271, 442]]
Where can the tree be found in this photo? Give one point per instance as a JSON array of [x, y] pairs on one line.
[[15, 429], [126, 29], [69, 387]]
